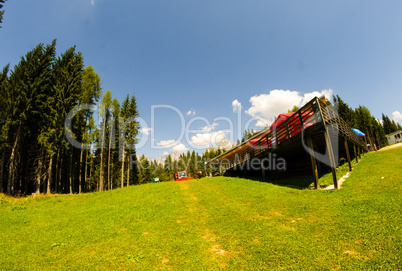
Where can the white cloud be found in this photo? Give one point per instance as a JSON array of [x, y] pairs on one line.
[[165, 153], [265, 107], [180, 148], [208, 139], [262, 123], [146, 131], [236, 106], [93, 2], [308, 96], [209, 128], [397, 116], [167, 143], [191, 112]]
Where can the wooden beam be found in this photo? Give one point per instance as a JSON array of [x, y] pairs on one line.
[[348, 155], [313, 163], [331, 158]]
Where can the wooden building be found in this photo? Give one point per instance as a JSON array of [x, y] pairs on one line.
[[314, 137]]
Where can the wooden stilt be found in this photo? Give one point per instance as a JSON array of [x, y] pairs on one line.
[[354, 150], [331, 158], [313, 163], [348, 155], [262, 170]]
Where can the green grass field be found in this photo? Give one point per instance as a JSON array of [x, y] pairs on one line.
[[213, 224]]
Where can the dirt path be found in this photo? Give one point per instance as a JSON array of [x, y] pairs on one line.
[[391, 147], [340, 181], [212, 248]]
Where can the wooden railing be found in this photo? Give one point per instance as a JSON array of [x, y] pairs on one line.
[[334, 122]]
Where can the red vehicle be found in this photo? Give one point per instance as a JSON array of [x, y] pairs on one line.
[[182, 176]]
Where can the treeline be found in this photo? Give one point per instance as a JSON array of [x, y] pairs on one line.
[[362, 119], [191, 162], [36, 98]]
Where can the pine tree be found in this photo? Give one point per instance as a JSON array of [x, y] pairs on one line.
[[91, 92], [1, 11], [169, 168], [29, 86], [295, 108], [386, 124], [122, 133], [131, 129], [394, 127], [144, 170], [192, 172], [3, 117], [112, 135], [105, 113], [345, 112]]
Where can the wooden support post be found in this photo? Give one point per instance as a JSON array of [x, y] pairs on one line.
[[262, 170], [301, 121], [348, 155], [287, 130], [331, 158], [354, 150], [313, 162]]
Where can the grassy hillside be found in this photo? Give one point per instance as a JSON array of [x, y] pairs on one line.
[[212, 224]]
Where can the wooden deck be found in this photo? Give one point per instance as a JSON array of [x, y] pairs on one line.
[[314, 134]]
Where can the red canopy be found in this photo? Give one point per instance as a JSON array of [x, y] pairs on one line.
[[295, 127], [280, 119]]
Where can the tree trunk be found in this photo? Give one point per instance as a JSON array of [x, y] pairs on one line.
[[128, 175], [49, 174], [101, 164], [38, 174], [13, 164], [80, 176], [60, 187], [26, 189], [108, 165], [57, 170], [1, 171], [122, 170], [90, 168], [86, 167], [71, 173]]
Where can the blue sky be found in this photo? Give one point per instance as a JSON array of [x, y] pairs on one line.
[[201, 56]]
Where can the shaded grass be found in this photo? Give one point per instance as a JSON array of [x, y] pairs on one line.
[[212, 224], [302, 182]]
